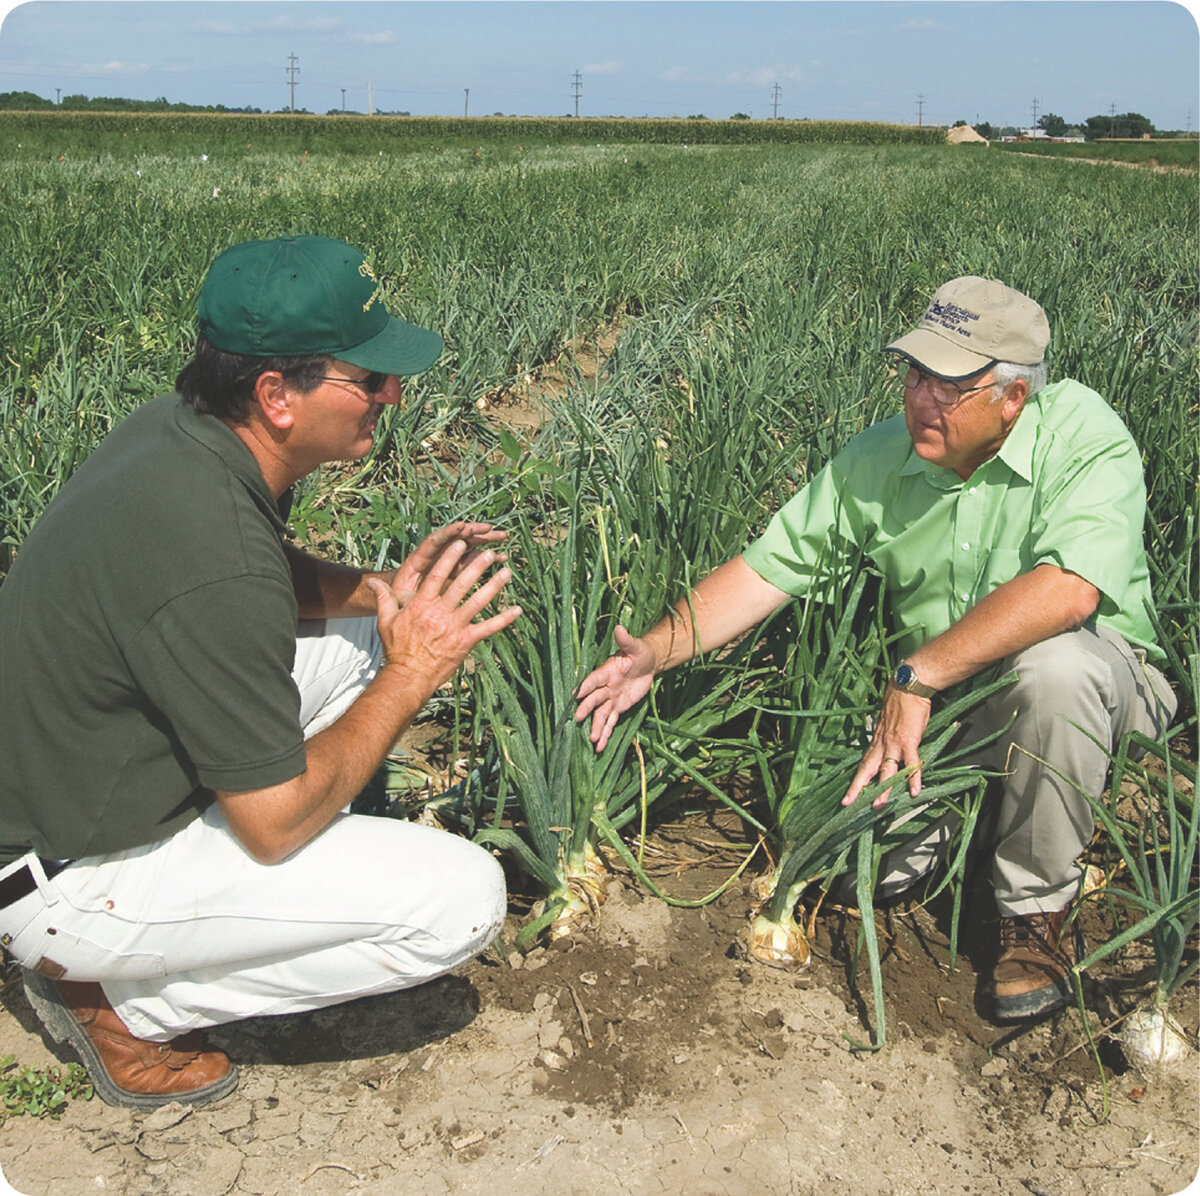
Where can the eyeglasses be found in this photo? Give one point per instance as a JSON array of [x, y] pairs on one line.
[[370, 384], [944, 394]]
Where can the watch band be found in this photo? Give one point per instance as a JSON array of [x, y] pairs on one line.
[[905, 678]]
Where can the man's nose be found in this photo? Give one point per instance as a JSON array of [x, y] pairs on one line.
[[391, 391]]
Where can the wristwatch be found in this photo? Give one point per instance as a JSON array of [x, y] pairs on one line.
[[905, 678]]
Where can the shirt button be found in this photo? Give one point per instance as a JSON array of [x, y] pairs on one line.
[[965, 546], [972, 490]]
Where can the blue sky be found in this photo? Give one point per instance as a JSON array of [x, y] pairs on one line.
[[934, 62]]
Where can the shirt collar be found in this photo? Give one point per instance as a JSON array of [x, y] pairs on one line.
[[1016, 452], [219, 438]]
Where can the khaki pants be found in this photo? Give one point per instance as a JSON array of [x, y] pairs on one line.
[[1076, 695]]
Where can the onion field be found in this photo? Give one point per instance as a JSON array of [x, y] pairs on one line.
[[739, 296]]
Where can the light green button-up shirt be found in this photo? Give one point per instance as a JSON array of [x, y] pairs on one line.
[[1065, 489]]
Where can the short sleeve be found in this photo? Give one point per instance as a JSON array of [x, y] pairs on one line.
[[215, 662], [810, 536], [1090, 516]]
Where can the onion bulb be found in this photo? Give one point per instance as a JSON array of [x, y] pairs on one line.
[[779, 944], [1153, 1041]]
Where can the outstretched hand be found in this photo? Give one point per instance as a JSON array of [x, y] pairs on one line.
[[895, 745], [621, 681], [475, 537], [430, 630]]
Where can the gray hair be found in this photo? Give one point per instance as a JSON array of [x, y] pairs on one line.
[[1005, 373]]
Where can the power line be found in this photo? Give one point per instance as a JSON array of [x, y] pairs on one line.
[[775, 96], [576, 88], [293, 69]]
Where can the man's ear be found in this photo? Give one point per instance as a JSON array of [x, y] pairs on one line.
[[1014, 400], [273, 400]]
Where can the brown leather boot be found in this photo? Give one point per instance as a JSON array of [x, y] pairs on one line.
[[1035, 957], [124, 1070]]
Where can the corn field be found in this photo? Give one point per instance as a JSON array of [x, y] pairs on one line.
[[749, 288]]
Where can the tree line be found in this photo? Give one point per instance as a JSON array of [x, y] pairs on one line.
[[1127, 125]]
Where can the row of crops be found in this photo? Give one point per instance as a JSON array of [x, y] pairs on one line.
[[750, 288], [164, 132]]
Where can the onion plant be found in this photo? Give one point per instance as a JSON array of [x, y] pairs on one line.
[[555, 799], [831, 650], [1158, 848]]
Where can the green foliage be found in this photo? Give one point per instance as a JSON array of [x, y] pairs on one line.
[[24, 101], [76, 128], [1184, 153], [751, 285], [40, 1091], [1127, 124]]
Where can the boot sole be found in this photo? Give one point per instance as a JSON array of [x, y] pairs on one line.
[[63, 1026], [1030, 1004]]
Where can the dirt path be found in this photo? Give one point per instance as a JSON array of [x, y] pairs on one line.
[[645, 1058]]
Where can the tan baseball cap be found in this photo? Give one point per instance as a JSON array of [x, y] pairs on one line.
[[972, 322]]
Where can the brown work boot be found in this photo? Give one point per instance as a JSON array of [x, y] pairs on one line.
[[124, 1070], [1031, 975]]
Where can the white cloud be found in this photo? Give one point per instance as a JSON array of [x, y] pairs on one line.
[[115, 68], [925, 24], [299, 25], [765, 76], [385, 37], [675, 74], [601, 68]]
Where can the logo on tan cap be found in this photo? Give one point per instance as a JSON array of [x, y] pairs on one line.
[[972, 322]]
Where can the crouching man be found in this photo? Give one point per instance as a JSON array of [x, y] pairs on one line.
[[190, 702], [1006, 518]]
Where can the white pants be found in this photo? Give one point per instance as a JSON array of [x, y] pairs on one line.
[[191, 931]]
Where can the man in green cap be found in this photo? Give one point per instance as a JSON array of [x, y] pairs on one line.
[[1006, 518], [191, 701]]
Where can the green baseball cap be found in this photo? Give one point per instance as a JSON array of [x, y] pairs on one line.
[[972, 322], [301, 296]]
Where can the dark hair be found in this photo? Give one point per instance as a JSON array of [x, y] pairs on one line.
[[222, 384]]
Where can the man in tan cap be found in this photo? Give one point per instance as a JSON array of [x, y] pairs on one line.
[[1006, 517]]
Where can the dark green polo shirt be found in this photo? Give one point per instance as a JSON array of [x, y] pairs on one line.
[[147, 636]]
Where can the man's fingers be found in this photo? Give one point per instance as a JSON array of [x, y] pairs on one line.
[[470, 605], [440, 571], [602, 726], [498, 622]]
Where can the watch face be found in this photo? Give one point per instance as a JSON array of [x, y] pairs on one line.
[[905, 674]]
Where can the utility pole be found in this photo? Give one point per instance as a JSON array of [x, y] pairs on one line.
[[1035, 108], [343, 99], [576, 88], [466, 100], [920, 110], [775, 97], [58, 98], [293, 69], [1112, 112]]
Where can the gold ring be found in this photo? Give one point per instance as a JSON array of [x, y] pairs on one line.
[[890, 760]]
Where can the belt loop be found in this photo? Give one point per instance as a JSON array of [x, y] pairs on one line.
[[50, 894]]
